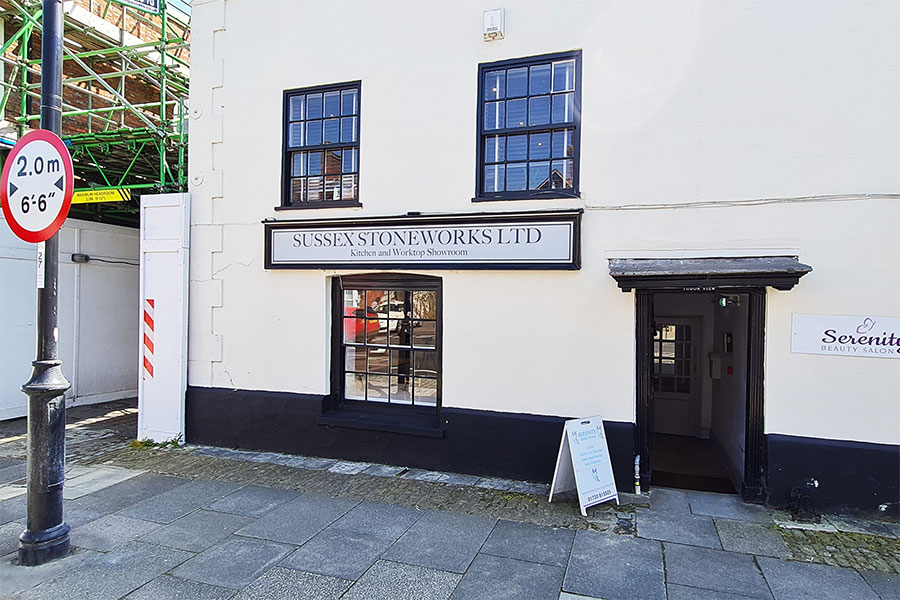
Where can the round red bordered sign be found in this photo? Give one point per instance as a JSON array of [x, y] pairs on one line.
[[36, 186]]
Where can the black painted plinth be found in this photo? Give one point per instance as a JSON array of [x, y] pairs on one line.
[[39, 547]]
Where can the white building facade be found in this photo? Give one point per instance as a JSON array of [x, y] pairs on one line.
[[413, 246]]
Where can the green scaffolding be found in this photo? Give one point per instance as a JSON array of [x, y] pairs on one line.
[[124, 117]]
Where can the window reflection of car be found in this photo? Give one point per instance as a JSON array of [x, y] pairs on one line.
[[393, 311], [357, 329]]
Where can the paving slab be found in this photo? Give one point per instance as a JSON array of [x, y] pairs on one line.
[[388, 520], [110, 576], [12, 509], [175, 588], [384, 470], [727, 506], [300, 519], [751, 538], [347, 467], [894, 528], [500, 578], [12, 473], [339, 553], [402, 582], [94, 479], [286, 584], [458, 479], [492, 483], [615, 567], [9, 537], [791, 580], [568, 596], [683, 592], [674, 527], [670, 501], [714, 570], [12, 490], [197, 531], [10, 462], [442, 540], [234, 563], [422, 475], [121, 495], [14, 578], [533, 543], [886, 585], [105, 533], [175, 503], [253, 501]]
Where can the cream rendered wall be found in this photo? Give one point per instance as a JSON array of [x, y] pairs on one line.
[[683, 103]]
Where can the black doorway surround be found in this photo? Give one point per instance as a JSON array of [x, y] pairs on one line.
[[747, 275]]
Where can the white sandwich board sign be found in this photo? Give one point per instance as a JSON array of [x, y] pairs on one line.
[[583, 464]]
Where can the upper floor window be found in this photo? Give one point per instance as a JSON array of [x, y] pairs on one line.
[[321, 147], [529, 121]]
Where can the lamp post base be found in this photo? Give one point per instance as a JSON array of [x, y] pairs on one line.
[[39, 547]]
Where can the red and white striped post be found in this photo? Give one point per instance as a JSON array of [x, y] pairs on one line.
[[149, 306]]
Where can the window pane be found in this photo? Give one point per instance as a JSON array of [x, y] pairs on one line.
[[354, 358], [313, 133], [516, 177], [494, 115], [332, 188], [493, 178], [314, 106], [425, 363], [348, 187], [297, 188], [397, 304], [563, 144], [516, 111], [355, 386], [494, 85], [295, 135], [539, 110], [539, 145], [564, 76], [562, 174], [315, 163], [354, 329], [332, 134], [399, 336], [538, 175], [332, 162], [424, 391], [517, 148], [400, 362], [296, 108], [332, 104], [373, 298], [377, 388], [401, 390], [564, 108], [378, 360], [539, 80], [348, 129], [298, 169], [314, 187], [350, 159], [495, 148], [517, 82], [424, 305], [352, 299], [425, 334], [349, 102]]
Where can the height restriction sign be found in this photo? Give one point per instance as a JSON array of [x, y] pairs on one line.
[[36, 186]]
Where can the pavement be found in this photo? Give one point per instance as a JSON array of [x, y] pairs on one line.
[[208, 523]]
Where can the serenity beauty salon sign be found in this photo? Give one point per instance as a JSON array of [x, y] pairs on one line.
[[840, 335], [507, 241]]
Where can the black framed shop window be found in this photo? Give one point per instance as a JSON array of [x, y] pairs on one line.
[[529, 127], [386, 353], [320, 166]]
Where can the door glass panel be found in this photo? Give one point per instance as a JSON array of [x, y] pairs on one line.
[[425, 391], [355, 386], [377, 388]]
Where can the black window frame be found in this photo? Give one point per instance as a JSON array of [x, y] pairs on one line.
[[288, 151], [482, 133], [338, 410]]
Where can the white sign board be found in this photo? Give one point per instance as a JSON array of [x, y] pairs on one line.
[[583, 464], [550, 242], [846, 335], [151, 6]]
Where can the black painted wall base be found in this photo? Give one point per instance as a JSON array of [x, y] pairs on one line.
[[851, 476], [515, 446]]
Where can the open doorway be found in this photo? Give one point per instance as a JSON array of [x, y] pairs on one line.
[[699, 390]]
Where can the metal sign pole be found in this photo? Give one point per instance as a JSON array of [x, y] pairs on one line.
[[46, 536]]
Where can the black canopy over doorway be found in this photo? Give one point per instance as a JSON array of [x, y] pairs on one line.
[[749, 275]]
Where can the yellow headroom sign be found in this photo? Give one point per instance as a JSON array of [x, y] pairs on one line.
[[114, 195]]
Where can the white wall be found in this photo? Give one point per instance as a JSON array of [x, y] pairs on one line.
[[687, 102], [97, 314]]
